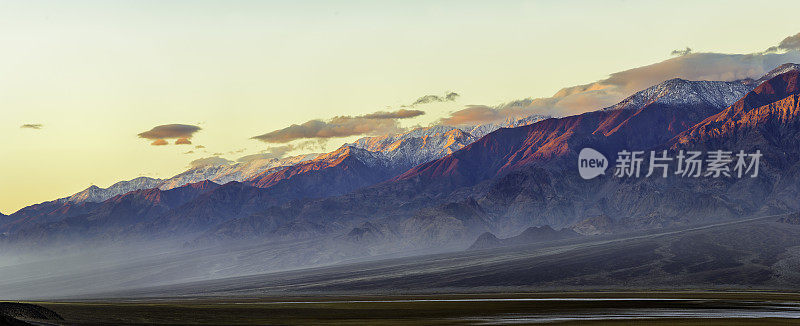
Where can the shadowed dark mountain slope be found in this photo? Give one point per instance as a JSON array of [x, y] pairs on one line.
[[155, 212], [112, 218]]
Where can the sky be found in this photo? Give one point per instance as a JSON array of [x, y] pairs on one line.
[[90, 89]]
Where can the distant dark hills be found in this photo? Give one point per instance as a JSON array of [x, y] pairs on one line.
[[489, 189]]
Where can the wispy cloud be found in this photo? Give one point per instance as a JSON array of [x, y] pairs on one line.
[[35, 126], [475, 114], [448, 97], [209, 161], [381, 122], [791, 43], [270, 153]]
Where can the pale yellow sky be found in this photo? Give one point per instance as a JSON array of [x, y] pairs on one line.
[[97, 73]]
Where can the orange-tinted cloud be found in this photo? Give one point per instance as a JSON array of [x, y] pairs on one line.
[[473, 114], [183, 141], [399, 114], [159, 142]]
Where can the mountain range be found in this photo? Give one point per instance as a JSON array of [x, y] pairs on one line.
[[262, 182], [526, 176], [442, 186]]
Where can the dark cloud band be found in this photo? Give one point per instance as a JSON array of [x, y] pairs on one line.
[[170, 131], [380, 122], [159, 134]]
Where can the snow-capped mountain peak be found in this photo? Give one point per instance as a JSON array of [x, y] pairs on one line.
[[481, 130], [95, 194], [678, 91], [222, 174], [784, 68], [416, 146]]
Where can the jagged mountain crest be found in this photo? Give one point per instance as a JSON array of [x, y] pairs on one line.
[[242, 171], [478, 131], [774, 89], [359, 165], [758, 115], [784, 68], [686, 93], [95, 194], [421, 145], [417, 146]]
